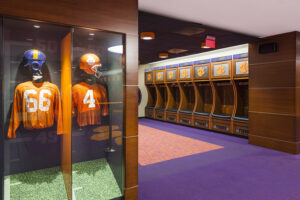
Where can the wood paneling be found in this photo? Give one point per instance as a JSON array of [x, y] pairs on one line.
[[286, 49], [270, 143], [131, 70], [277, 100], [118, 15], [131, 170], [274, 96], [131, 193], [278, 74], [131, 111], [281, 127], [66, 88]]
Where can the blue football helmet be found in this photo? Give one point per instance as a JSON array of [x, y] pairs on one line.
[[35, 59]]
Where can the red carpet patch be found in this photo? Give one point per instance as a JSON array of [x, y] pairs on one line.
[[157, 146]]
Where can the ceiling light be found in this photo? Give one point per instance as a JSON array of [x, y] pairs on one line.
[[203, 46], [91, 34], [163, 55], [116, 49], [177, 51], [147, 35], [36, 26], [29, 39]]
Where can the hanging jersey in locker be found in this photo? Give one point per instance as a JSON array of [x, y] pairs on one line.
[[90, 101], [36, 105]]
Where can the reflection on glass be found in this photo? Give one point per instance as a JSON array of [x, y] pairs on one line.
[[97, 95], [43, 91], [32, 110]]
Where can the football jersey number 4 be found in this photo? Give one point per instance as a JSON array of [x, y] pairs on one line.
[[89, 99]]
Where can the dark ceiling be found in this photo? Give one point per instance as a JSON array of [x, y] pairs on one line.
[[172, 33]]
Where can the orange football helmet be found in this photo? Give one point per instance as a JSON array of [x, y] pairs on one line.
[[90, 63]]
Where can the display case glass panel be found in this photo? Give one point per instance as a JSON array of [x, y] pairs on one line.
[[97, 128], [32, 109], [61, 112]]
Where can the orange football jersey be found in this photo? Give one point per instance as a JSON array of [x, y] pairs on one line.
[[36, 105], [90, 101]]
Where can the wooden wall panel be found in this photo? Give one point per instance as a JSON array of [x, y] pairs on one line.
[[278, 100], [66, 92], [271, 75], [131, 118], [131, 171], [274, 99], [286, 49], [279, 145], [273, 126], [118, 15]]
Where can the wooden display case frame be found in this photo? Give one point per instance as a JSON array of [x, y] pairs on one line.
[[149, 110], [185, 118], [227, 124], [160, 111], [202, 121], [218, 123]]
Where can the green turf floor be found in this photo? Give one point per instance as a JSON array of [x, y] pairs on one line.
[[90, 180], [94, 180]]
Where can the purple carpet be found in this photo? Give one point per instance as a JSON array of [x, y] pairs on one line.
[[238, 171]]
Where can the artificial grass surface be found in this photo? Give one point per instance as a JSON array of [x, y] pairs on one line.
[[94, 180], [90, 180], [46, 184]]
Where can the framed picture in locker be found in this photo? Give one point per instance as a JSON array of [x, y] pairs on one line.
[[221, 67], [159, 76], [185, 72], [240, 68], [148, 77], [171, 73], [201, 71]]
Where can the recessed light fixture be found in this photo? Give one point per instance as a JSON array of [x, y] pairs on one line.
[[116, 49], [36, 26], [147, 35], [91, 34], [203, 46], [163, 55]]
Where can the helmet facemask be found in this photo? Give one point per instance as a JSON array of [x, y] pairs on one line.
[[35, 59], [96, 70]]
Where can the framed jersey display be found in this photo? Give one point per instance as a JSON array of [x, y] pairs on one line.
[[62, 109]]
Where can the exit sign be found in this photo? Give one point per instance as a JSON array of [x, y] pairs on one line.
[[210, 41]]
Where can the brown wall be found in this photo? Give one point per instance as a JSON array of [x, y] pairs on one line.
[[112, 15], [273, 94]]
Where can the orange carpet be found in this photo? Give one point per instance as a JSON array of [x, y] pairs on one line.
[[157, 146]]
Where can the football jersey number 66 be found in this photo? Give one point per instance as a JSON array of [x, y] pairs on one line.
[[33, 101]]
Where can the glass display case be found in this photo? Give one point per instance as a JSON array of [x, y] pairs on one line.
[[61, 112]]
